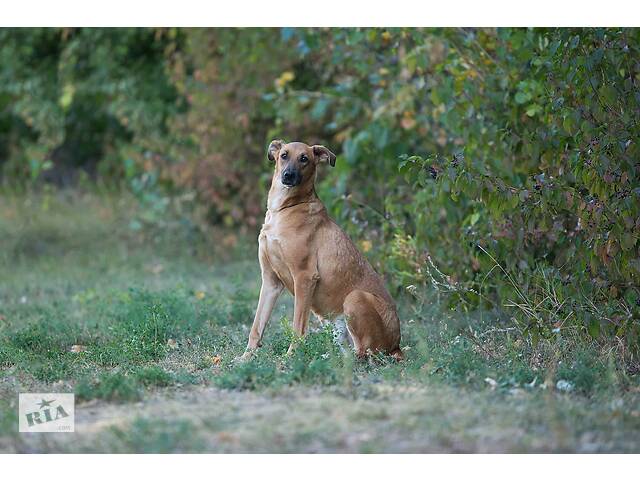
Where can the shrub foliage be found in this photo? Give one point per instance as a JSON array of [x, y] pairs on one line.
[[499, 166]]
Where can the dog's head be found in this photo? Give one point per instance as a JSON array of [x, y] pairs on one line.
[[296, 162]]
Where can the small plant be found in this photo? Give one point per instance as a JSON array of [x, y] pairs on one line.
[[248, 376], [584, 371], [39, 338], [316, 359], [154, 376], [113, 387]]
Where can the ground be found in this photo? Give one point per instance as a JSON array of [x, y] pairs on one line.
[[142, 319]]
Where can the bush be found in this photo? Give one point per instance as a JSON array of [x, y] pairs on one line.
[[522, 186]]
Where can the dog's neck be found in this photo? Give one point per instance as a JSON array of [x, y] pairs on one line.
[[281, 197]]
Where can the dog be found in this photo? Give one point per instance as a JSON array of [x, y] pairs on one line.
[[306, 252]]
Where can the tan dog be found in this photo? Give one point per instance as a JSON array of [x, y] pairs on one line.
[[302, 249]]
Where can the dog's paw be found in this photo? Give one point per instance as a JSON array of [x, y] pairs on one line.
[[245, 357]]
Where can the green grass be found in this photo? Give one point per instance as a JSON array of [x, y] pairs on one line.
[[113, 387], [156, 436], [123, 315]]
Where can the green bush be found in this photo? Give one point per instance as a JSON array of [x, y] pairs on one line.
[[90, 99], [515, 149]]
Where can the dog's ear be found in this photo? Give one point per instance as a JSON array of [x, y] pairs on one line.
[[274, 148], [323, 154]]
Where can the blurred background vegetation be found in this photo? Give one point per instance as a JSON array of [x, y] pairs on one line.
[[496, 166]]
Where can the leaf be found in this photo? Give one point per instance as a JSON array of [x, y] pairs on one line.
[[533, 109], [593, 327], [567, 124], [628, 241], [522, 97], [608, 93], [284, 78], [365, 245], [68, 91]]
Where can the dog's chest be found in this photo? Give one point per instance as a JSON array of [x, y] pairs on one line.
[[274, 246]]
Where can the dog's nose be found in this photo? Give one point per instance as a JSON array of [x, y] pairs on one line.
[[287, 177]]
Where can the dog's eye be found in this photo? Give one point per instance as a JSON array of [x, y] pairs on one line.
[[283, 156], [304, 159]]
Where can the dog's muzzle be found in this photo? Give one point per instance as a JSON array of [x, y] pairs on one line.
[[291, 178]]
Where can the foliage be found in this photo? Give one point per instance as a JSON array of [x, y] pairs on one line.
[[547, 183], [96, 99], [523, 182], [223, 74], [496, 166], [316, 360]]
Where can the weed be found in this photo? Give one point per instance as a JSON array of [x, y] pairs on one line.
[[154, 376], [316, 359], [585, 371], [38, 338], [248, 376], [113, 387]]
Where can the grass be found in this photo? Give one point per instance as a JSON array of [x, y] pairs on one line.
[[94, 304]]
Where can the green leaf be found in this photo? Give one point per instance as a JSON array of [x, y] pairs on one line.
[[628, 241], [593, 327], [522, 97], [533, 109], [68, 91], [608, 94]]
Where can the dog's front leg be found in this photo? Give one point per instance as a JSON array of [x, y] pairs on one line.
[[269, 292], [304, 285]]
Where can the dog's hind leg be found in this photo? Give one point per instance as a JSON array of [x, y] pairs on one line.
[[372, 324]]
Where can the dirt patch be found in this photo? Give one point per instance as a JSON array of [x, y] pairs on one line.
[[376, 418]]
